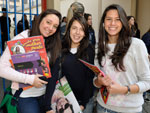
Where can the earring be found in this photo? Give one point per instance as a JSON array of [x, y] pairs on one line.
[[103, 25]]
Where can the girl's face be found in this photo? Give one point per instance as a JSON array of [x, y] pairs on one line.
[[89, 20], [76, 34], [48, 25], [131, 21], [112, 23]]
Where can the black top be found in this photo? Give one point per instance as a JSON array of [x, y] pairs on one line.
[[92, 36], [78, 75], [146, 39]]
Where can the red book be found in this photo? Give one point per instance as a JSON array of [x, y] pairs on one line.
[[28, 45], [96, 70]]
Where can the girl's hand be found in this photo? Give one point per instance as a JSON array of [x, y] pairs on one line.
[[38, 82], [116, 88], [81, 107], [51, 111], [105, 81]]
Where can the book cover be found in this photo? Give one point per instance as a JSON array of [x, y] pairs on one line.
[[28, 63], [63, 99], [96, 70], [30, 44]]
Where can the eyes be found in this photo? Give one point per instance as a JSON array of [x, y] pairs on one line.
[[49, 22], [76, 28], [112, 19]]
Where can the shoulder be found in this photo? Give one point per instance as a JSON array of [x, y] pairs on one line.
[[146, 35], [137, 42], [137, 45]]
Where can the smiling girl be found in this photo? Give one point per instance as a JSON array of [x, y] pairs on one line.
[[46, 24], [80, 78], [125, 61]]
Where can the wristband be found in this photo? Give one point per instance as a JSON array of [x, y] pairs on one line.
[[129, 90]]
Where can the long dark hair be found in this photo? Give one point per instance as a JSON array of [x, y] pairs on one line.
[[81, 53], [123, 42], [52, 43], [86, 16]]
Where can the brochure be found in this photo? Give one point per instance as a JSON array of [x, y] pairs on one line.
[[96, 70]]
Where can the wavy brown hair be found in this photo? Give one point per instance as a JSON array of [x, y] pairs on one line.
[[123, 42], [81, 53], [52, 43]]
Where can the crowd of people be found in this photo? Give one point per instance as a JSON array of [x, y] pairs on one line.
[[122, 56]]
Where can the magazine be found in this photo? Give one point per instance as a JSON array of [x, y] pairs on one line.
[[28, 63], [96, 70], [27, 45], [63, 98]]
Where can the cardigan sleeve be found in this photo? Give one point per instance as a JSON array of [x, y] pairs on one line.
[[51, 85], [89, 87], [143, 67], [7, 72]]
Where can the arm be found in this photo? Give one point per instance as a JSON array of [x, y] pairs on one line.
[[7, 72], [140, 80], [51, 87], [88, 88], [142, 65]]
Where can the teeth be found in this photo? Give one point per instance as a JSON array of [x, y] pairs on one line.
[[47, 32], [112, 28]]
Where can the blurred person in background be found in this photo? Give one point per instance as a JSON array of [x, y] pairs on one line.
[[92, 39], [4, 31], [135, 32]]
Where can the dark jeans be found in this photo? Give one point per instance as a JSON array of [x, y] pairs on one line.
[[31, 105], [101, 109]]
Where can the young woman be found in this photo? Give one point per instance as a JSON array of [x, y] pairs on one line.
[[135, 32], [75, 46], [92, 39], [124, 60], [46, 24]]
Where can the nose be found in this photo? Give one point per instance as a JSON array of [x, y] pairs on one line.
[[50, 27], [113, 22], [77, 31]]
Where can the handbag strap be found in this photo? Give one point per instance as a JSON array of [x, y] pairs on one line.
[[16, 96], [18, 92]]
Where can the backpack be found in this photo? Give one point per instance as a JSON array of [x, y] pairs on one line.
[[9, 102]]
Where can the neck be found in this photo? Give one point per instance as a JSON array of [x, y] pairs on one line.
[[74, 45], [112, 39]]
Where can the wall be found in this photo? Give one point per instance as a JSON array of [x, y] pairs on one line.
[[126, 4], [143, 15], [138, 8], [90, 7], [96, 8]]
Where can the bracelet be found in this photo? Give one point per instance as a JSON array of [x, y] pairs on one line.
[[129, 90]]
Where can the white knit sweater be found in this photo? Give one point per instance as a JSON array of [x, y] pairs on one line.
[[136, 63]]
